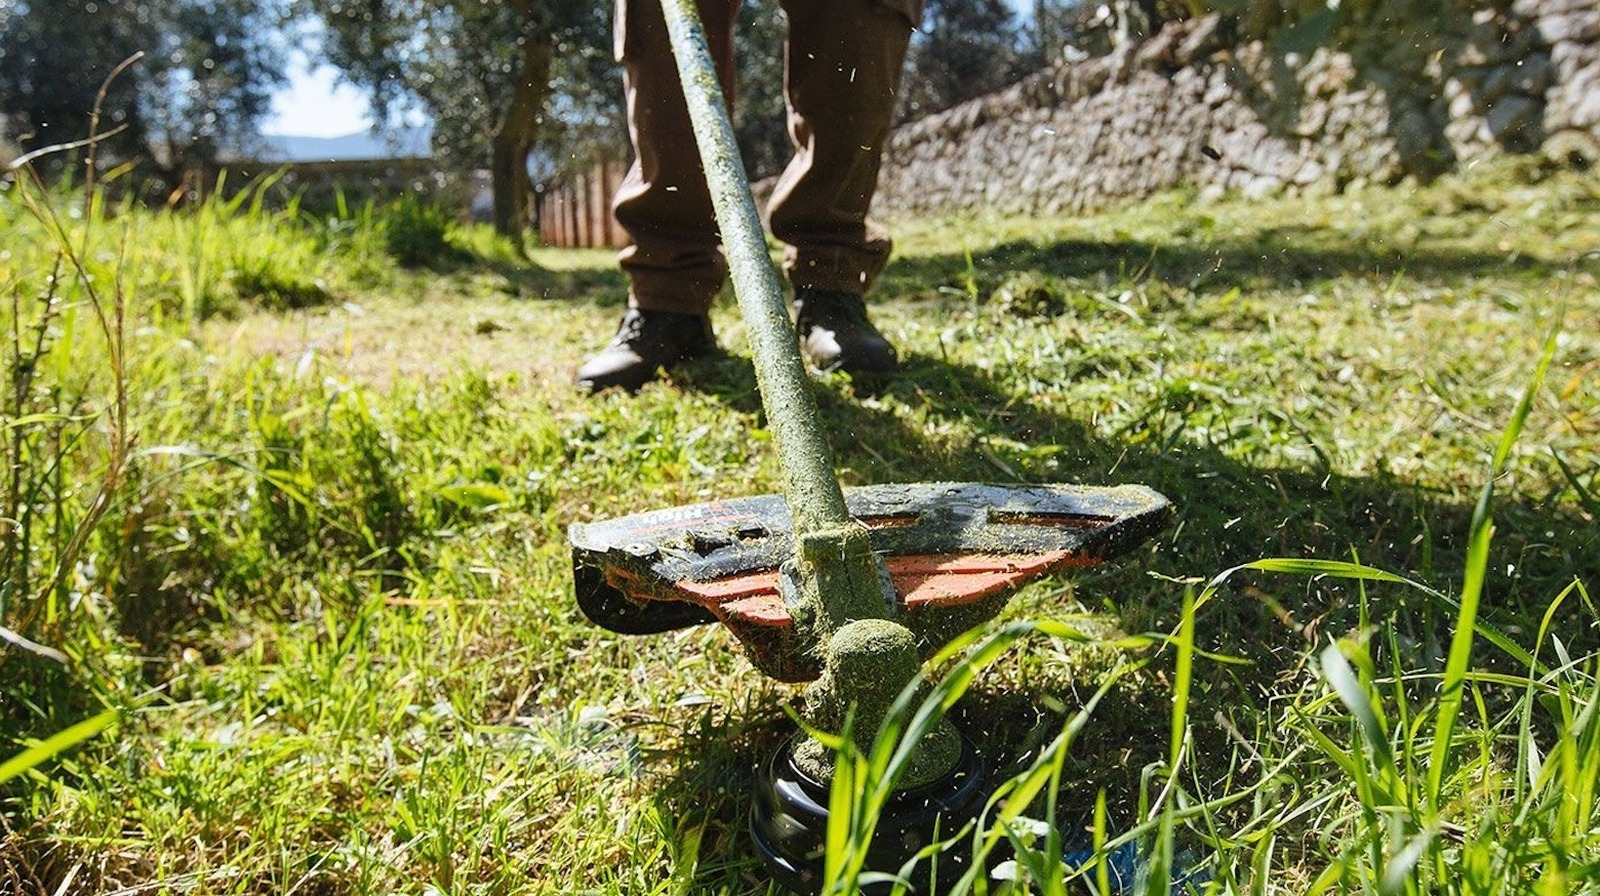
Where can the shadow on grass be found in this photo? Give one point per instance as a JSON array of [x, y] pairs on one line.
[[1274, 257], [708, 788], [1228, 513], [604, 286]]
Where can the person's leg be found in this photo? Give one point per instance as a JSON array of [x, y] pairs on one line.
[[673, 264], [842, 78]]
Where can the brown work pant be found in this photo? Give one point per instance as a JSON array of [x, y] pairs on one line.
[[842, 74]]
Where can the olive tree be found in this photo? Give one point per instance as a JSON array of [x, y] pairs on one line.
[[201, 86], [965, 48], [494, 76]]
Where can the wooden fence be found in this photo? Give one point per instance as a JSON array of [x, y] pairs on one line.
[[575, 213]]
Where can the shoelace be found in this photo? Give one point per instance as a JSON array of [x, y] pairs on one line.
[[631, 328]]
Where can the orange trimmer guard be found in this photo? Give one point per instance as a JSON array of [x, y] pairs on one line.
[[955, 553]]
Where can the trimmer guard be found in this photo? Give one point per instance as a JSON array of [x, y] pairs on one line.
[[955, 552]]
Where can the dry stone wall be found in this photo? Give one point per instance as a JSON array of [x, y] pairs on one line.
[[1408, 89]]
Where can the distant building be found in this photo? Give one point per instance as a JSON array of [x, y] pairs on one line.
[[365, 166]]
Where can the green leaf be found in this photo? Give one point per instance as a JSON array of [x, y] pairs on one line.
[[1183, 679], [1403, 864], [1338, 569], [33, 419], [1355, 696], [56, 744], [1478, 539]]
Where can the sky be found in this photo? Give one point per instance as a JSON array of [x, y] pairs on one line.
[[315, 104]]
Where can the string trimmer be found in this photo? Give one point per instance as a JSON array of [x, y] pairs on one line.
[[848, 588]]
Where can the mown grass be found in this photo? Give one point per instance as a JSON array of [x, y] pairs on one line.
[[327, 597]]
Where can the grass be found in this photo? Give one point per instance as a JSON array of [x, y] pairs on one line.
[[319, 635]]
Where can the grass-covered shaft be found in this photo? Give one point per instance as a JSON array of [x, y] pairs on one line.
[[815, 499]]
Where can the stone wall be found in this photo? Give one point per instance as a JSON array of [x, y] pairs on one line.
[[1371, 93]]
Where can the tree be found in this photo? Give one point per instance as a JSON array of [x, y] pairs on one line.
[[202, 85], [1065, 29], [485, 72], [965, 48]]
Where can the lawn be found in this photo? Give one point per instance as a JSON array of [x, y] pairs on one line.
[[285, 551]]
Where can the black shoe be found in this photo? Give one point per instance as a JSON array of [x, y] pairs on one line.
[[835, 333], [645, 342]]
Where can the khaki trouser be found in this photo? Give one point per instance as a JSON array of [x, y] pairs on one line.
[[842, 73]]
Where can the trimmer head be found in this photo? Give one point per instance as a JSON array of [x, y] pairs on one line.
[[857, 580], [954, 552]]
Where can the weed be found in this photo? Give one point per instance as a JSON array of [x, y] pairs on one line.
[[67, 449], [415, 234], [270, 286]]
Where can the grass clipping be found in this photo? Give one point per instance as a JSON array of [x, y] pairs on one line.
[[868, 663]]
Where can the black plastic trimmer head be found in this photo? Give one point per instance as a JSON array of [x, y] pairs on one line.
[[954, 551], [844, 588]]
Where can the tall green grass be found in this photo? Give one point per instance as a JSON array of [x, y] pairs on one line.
[[1407, 795], [67, 442], [94, 418], [320, 635]]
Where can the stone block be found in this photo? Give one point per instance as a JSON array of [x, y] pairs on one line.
[[1534, 74], [1310, 172], [1474, 50], [1583, 108], [1502, 80], [1515, 120], [1328, 72], [1261, 186], [1570, 56], [1218, 90], [1160, 51], [1579, 26], [1573, 146], [1459, 99]]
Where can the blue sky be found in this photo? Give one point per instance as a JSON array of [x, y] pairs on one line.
[[315, 104]]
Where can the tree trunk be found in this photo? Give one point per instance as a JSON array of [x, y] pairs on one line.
[[512, 140]]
